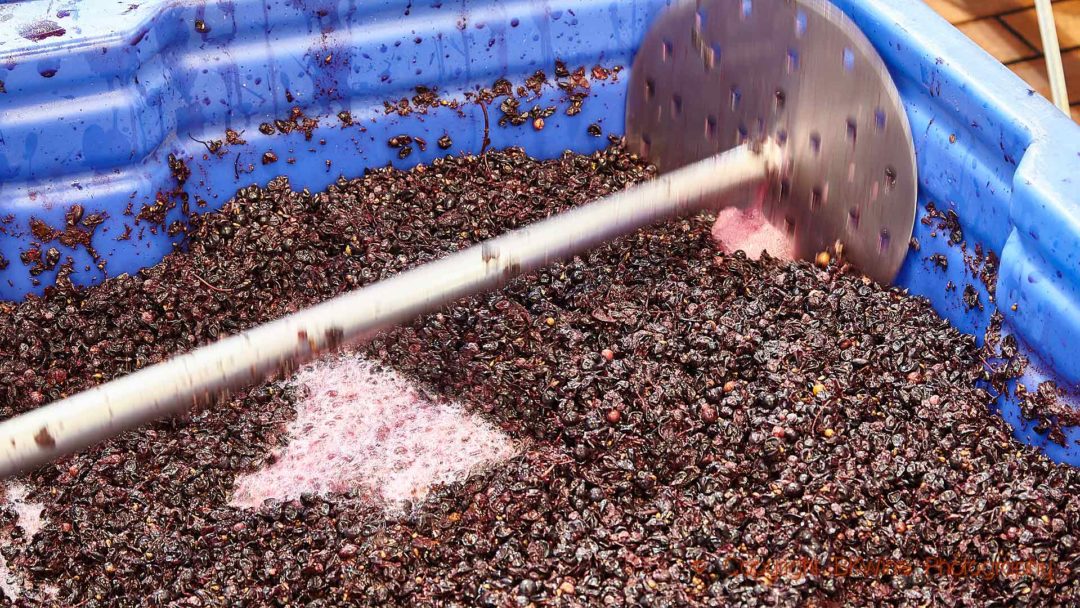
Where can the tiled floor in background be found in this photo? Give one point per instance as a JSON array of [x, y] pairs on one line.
[[1009, 30]]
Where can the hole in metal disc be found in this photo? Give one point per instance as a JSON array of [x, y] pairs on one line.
[[650, 89], [817, 197], [852, 132], [785, 189], [884, 240], [792, 61], [714, 55], [747, 8], [676, 105], [879, 119], [815, 143], [853, 217], [890, 179], [789, 226], [736, 97], [781, 137], [800, 24], [710, 128], [780, 97], [742, 135], [849, 59], [700, 19], [666, 50]]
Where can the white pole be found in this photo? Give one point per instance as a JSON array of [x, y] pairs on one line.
[[1054, 70], [79, 421]]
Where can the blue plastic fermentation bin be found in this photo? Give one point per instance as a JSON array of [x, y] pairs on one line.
[[96, 96]]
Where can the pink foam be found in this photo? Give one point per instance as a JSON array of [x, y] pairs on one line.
[[29, 512], [750, 231], [29, 519], [365, 427]]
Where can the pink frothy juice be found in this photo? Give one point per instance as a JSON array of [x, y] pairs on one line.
[[750, 231], [362, 426], [30, 520]]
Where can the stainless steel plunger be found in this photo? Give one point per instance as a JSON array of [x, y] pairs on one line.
[[779, 103], [713, 74]]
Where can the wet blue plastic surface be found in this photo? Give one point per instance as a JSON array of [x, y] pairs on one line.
[[99, 94]]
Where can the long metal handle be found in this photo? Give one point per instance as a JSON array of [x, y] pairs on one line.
[[81, 420]]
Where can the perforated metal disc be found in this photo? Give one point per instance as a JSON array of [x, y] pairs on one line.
[[714, 73]]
